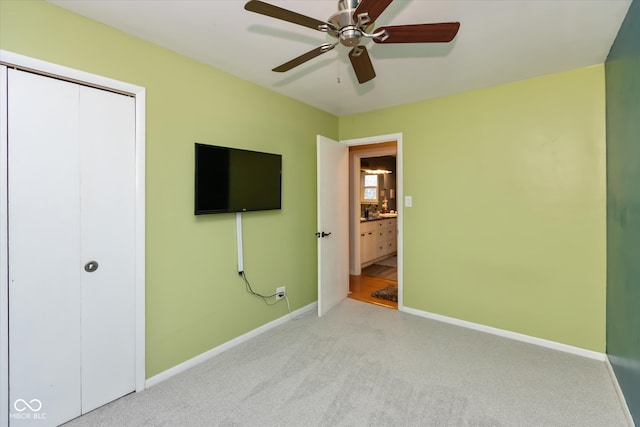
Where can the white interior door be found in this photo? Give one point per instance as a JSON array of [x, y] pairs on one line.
[[71, 191], [333, 221]]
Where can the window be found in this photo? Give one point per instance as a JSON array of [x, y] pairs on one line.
[[370, 188]]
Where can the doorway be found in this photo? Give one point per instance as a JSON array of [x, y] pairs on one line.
[[375, 221]]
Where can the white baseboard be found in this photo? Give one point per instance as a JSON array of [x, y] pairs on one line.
[[508, 334], [162, 376], [616, 385]]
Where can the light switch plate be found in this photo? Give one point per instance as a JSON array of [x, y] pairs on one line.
[[408, 201]]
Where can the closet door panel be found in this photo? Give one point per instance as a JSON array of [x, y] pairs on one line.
[[107, 135], [44, 236]]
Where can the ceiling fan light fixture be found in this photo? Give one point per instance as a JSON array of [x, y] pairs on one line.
[[350, 36], [376, 171]]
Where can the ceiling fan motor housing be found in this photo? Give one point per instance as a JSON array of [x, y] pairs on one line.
[[347, 29]]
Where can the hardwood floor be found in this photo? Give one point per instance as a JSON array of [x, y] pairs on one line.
[[361, 287], [381, 271]]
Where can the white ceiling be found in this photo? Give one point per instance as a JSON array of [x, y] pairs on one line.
[[499, 41]]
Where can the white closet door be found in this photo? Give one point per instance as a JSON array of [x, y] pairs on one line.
[[44, 250], [71, 201], [107, 188]]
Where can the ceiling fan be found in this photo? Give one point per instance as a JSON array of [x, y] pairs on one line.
[[349, 26]]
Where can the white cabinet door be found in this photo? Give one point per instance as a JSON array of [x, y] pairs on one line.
[[363, 243], [368, 242], [392, 235], [70, 198]]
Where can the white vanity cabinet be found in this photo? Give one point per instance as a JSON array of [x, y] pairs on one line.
[[386, 237], [377, 240], [368, 242]]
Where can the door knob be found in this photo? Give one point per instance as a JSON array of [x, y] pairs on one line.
[[91, 266], [322, 234]]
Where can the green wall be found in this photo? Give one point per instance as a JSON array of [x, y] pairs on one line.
[[623, 208], [195, 299], [508, 185], [507, 227]]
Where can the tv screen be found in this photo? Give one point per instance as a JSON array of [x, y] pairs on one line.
[[235, 180]]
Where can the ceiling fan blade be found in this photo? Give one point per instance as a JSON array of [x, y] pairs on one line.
[[304, 58], [361, 64], [286, 15], [418, 33], [372, 8]]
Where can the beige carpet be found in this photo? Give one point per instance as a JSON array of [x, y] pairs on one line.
[[364, 365]]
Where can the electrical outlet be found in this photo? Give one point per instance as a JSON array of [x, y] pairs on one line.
[[281, 292]]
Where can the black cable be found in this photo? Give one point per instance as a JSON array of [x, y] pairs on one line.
[[250, 290]]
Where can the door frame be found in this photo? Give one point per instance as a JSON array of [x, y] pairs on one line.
[[354, 217], [14, 60]]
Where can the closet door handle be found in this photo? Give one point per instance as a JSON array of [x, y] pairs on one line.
[[91, 266]]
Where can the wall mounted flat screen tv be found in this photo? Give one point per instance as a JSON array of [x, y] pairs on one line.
[[235, 180]]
